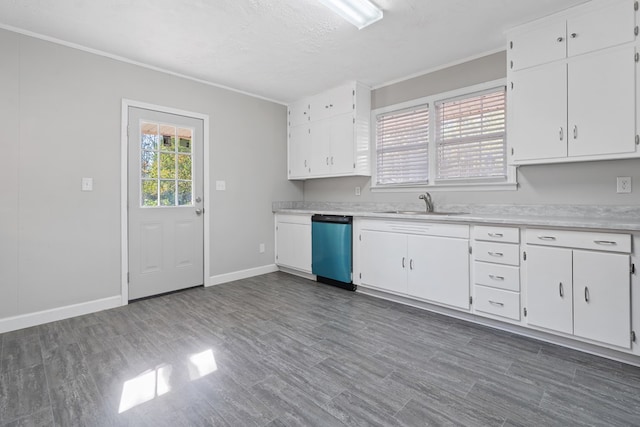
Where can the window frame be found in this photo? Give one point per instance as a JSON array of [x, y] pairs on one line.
[[475, 184]]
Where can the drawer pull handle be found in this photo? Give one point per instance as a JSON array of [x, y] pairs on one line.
[[561, 290], [402, 262], [547, 238], [411, 264], [496, 254], [496, 303], [587, 297], [497, 278], [605, 242], [495, 234]]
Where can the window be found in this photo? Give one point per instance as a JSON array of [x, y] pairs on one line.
[[470, 136], [455, 140], [402, 146]]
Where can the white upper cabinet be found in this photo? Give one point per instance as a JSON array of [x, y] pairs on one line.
[[538, 45], [606, 26], [572, 90], [329, 134]]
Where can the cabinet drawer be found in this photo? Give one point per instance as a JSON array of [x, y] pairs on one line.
[[501, 253], [497, 234], [497, 302], [304, 219], [609, 242], [497, 276]]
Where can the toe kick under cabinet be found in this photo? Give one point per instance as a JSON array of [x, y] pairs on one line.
[[579, 284]]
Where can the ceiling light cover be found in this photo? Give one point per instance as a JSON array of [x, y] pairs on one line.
[[358, 12]]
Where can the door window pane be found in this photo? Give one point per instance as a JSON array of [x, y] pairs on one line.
[[184, 193], [167, 193], [166, 177], [149, 192]]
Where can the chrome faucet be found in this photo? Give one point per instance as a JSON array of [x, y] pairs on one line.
[[427, 199]]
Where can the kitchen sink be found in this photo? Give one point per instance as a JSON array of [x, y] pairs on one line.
[[421, 213]]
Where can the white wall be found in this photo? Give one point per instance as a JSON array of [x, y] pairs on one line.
[[60, 115], [575, 183]]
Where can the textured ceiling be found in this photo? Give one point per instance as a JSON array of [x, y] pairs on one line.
[[279, 49]]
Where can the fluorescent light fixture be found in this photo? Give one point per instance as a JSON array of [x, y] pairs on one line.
[[358, 12]]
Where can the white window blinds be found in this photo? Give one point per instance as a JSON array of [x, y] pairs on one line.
[[470, 137], [402, 142]]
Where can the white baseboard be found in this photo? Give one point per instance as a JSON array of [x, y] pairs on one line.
[[38, 318], [243, 274]]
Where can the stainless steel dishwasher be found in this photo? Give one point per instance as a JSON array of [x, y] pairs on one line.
[[331, 250]]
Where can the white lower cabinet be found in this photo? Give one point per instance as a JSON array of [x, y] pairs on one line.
[[383, 260], [581, 292], [293, 242], [404, 259]]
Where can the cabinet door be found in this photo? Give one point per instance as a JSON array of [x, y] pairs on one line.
[[543, 44], [299, 151], [439, 270], [333, 102], [293, 248], [383, 260], [602, 297], [321, 135], [299, 113], [549, 288], [342, 144], [537, 129], [602, 103], [605, 27]]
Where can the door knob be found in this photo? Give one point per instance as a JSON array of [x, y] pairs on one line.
[[199, 211], [198, 199]]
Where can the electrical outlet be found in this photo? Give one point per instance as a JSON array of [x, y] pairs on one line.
[[261, 248], [623, 184], [357, 191], [87, 184]]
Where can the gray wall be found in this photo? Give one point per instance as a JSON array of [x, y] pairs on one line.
[[60, 114], [575, 183]]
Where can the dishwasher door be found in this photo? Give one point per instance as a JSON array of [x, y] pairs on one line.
[[331, 254]]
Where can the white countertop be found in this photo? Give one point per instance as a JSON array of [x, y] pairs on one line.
[[609, 223]]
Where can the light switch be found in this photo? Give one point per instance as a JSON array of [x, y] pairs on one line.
[[221, 185], [87, 184]]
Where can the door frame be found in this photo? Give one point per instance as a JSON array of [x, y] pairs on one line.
[[124, 187]]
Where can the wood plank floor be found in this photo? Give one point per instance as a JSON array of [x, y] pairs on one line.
[[278, 350]]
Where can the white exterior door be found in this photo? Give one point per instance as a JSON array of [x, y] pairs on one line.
[[165, 202]]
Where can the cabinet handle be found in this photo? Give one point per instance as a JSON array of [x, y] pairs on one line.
[[561, 290], [496, 254], [327, 161], [305, 163], [332, 160], [561, 134], [411, 264], [547, 238], [499, 304], [495, 234], [586, 294], [574, 35], [496, 278], [560, 39], [605, 242], [575, 132], [402, 262]]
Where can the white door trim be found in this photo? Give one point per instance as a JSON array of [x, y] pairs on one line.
[[124, 188]]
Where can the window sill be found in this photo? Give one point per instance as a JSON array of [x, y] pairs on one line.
[[501, 186]]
